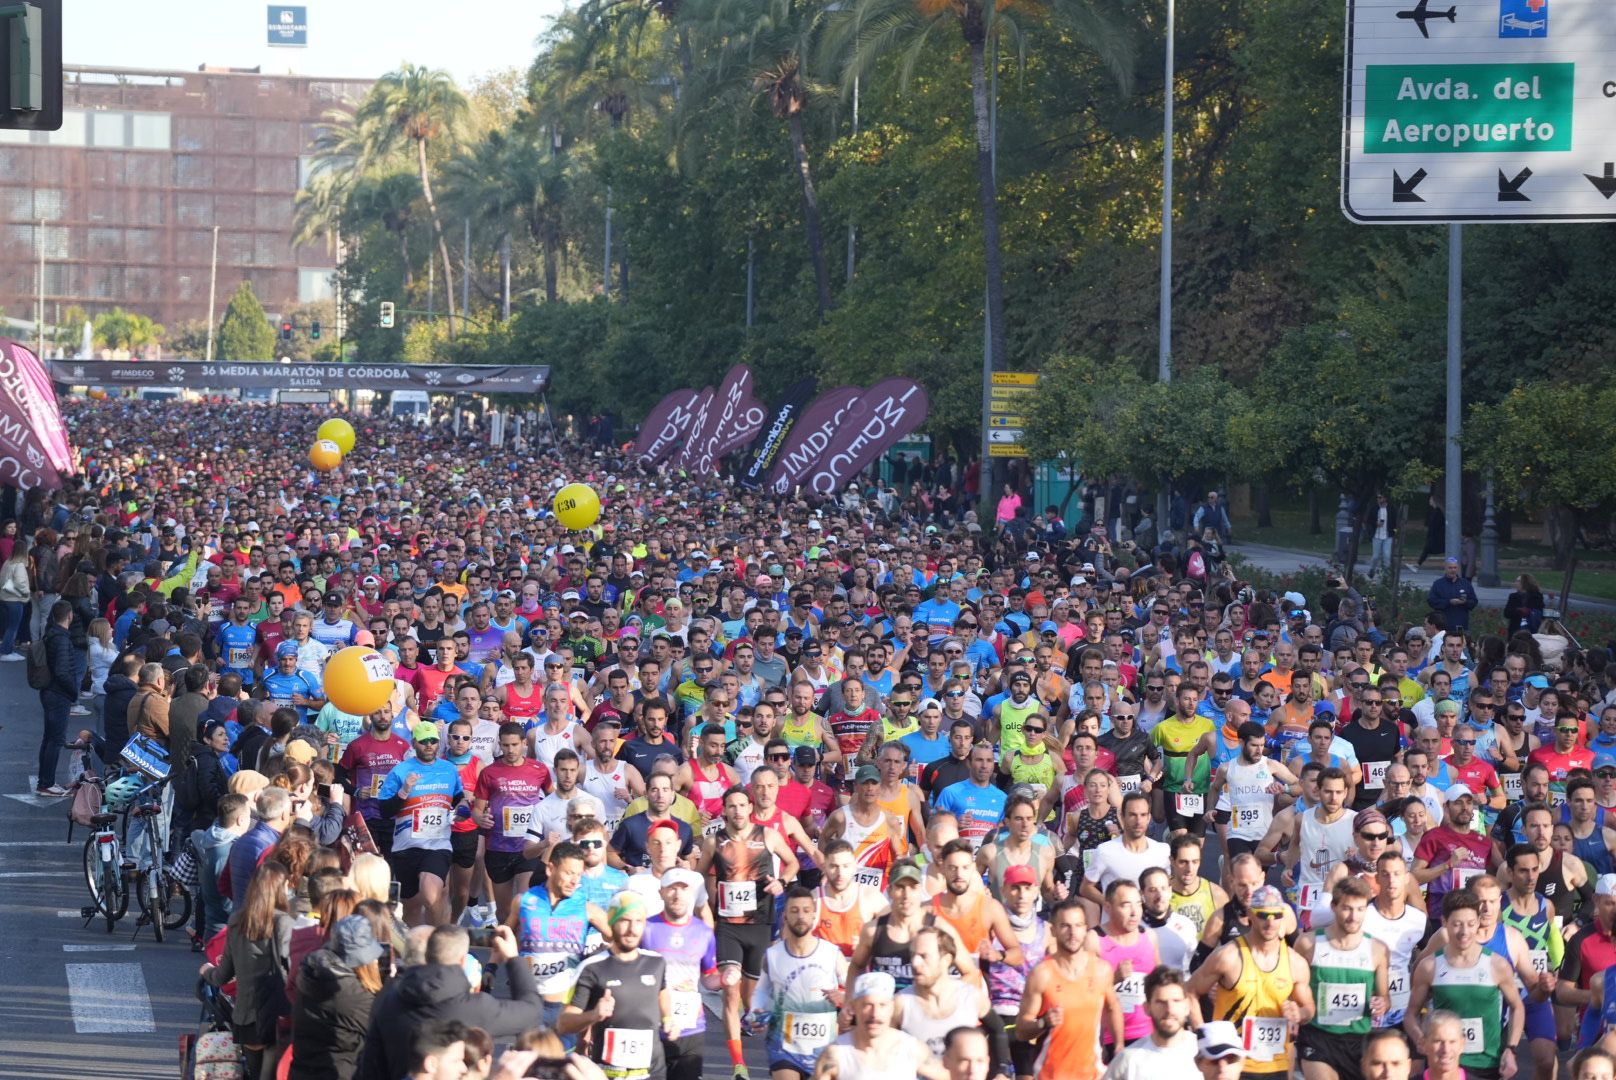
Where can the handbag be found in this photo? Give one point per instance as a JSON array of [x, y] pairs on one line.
[[146, 756]]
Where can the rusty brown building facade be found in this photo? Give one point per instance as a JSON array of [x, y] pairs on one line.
[[121, 203]]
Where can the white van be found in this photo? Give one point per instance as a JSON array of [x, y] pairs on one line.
[[415, 404]]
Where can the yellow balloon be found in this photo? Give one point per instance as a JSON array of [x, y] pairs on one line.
[[325, 455], [359, 680], [577, 506], [339, 431]]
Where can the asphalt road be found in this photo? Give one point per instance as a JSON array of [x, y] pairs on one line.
[[75, 1001]]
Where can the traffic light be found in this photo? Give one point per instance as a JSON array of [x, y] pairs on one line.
[[314, 330], [286, 331], [387, 315], [31, 65]]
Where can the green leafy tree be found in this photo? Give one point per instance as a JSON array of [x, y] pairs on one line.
[[1545, 447], [189, 339], [120, 329], [245, 332]]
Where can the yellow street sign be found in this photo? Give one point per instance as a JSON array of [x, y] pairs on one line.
[[1007, 450], [1015, 378]]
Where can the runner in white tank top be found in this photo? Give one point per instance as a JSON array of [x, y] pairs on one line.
[[605, 786]]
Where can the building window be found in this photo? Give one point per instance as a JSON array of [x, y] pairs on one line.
[[149, 131], [315, 284], [107, 129]]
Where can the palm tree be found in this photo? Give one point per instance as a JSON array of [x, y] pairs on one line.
[[390, 200], [874, 28], [416, 106]]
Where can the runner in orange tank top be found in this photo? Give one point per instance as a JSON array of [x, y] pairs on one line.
[[966, 906], [845, 903], [1069, 997]]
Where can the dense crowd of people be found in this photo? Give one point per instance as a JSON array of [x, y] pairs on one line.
[[885, 799]]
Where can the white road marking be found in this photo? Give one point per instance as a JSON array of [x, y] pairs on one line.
[[38, 873], [38, 843], [109, 998], [98, 948]]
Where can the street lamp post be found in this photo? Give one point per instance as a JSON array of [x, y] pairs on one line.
[[1164, 342]]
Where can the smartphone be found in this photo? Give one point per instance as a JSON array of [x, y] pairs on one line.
[[324, 791], [482, 937], [548, 1069], [392, 892]]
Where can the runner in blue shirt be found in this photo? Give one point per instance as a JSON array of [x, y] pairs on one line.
[[420, 795], [975, 802], [929, 743], [238, 642], [289, 687]]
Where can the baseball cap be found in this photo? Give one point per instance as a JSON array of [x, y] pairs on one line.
[[680, 876], [1457, 792], [867, 774], [1217, 1040], [665, 823], [906, 872], [1020, 875], [1605, 761], [1450, 561], [299, 751], [628, 633], [1606, 885], [1266, 898], [804, 755], [1049, 626], [1079, 579], [423, 731], [286, 648], [1538, 682], [874, 984], [354, 941]]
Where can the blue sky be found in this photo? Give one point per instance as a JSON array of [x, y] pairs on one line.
[[354, 38]]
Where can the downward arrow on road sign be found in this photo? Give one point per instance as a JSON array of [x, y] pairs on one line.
[[1403, 190], [1510, 190], [1605, 184]]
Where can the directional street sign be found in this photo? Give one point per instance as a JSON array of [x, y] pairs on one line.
[[1009, 397], [1479, 110]]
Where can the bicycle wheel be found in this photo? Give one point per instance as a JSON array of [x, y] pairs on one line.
[[178, 904], [150, 891], [92, 870], [114, 893]]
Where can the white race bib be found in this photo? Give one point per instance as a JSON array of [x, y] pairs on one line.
[[1189, 805], [627, 1048], [1475, 1035], [737, 898], [1557, 799], [430, 823], [713, 827], [515, 821], [1341, 1004], [686, 1008], [1374, 774], [1265, 1037], [1131, 992], [1247, 816], [1307, 895], [1397, 990], [804, 1034], [1540, 960], [1088, 859], [1463, 874], [1131, 783], [873, 876], [1512, 785]]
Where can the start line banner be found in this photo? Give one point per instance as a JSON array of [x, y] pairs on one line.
[[267, 375]]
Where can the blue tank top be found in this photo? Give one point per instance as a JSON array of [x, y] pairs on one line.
[[1591, 850]]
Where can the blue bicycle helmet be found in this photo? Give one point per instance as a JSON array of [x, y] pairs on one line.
[[121, 793]]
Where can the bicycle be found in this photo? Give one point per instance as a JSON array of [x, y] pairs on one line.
[[108, 869]]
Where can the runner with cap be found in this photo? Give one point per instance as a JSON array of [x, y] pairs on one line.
[[1372, 837], [688, 945], [420, 796], [1260, 985], [622, 994], [1476, 985], [873, 1049], [884, 942], [1349, 984], [878, 838], [1220, 1051], [1451, 854], [290, 687], [1070, 999]]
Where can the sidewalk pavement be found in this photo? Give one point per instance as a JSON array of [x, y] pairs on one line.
[[1276, 560]]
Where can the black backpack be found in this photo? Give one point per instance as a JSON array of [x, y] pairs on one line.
[[39, 672]]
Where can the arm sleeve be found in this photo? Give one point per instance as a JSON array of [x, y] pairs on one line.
[[183, 575]]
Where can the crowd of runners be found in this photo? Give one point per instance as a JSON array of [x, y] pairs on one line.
[[888, 796]]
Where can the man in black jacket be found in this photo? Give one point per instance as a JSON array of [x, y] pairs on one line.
[[439, 990], [56, 699], [120, 690]]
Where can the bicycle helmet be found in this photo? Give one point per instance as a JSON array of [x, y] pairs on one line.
[[121, 793]]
